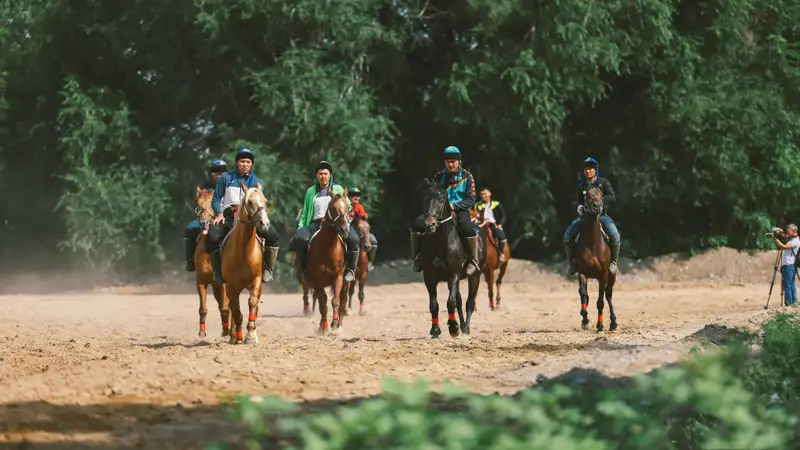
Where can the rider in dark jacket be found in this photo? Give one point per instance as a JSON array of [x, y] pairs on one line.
[[591, 176], [192, 231]]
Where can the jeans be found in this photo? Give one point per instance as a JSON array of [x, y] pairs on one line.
[[789, 289], [192, 230], [608, 226]]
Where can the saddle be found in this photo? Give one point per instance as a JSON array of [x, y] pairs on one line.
[[314, 237], [602, 231], [490, 234]]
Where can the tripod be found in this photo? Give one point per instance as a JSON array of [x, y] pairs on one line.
[[774, 273]]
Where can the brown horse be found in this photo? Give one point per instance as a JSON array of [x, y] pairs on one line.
[[493, 263], [241, 259], [305, 286], [363, 228], [593, 257], [202, 267], [325, 266]]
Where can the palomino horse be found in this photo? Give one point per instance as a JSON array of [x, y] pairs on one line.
[[204, 275], [593, 257], [241, 260], [492, 263], [361, 270], [325, 261], [443, 258]]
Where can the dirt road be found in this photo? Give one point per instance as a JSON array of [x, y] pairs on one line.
[[117, 369]]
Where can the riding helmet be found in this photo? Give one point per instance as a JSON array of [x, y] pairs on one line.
[[218, 166], [452, 152], [245, 153]]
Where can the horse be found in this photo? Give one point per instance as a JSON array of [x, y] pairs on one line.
[[492, 263], [361, 269], [325, 261], [204, 275], [443, 258], [241, 259], [593, 257], [303, 285]]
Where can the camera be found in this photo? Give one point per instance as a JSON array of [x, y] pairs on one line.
[[775, 233]]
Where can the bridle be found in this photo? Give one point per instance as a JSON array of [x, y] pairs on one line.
[[243, 207], [438, 212]]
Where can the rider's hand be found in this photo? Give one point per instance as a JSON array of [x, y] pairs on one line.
[[219, 219], [580, 210], [452, 206]]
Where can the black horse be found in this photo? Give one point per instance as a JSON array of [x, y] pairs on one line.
[[443, 258]]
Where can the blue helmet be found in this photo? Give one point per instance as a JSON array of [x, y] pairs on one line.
[[245, 153], [452, 152], [218, 166], [590, 162]]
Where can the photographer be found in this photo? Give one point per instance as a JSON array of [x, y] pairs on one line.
[[788, 268]]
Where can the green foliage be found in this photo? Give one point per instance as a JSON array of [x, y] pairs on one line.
[[714, 400], [691, 108]]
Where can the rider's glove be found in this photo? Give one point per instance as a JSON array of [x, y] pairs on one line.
[[580, 210]]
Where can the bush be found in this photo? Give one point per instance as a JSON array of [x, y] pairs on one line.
[[733, 398]]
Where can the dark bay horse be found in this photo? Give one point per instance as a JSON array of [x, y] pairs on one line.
[[493, 264], [325, 266], [443, 258], [241, 260], [202, 267], [304, 286], [593, 257], [363, 228]]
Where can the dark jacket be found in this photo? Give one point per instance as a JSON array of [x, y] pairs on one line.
[[609, 197]]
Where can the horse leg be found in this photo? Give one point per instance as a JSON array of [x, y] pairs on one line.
[[351, 289], [433, 305], [236, 312], [488, 273], [501, 273], [338, 282], [306, 309], [584, 294], [452, 292], [323, 309], [602, 282], [203, 293], [609, 293], [252, 302], [473, 284], [361, 297], [224, 308]]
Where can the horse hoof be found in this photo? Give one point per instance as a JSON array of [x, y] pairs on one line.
[[613, 326], [251, 338], [585, 326], [239, 342], [361, 311], [202, 334], [306, 312], [226, 332], [452, 327], [435, 332], [465, 331], [600, 332]]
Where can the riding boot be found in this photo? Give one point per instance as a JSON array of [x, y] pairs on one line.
[[350, 263], [371, 258], [416, 246], [472, 248], [573, 266], [612, 268], [189, 246], [501, 251], [268, 263], [216, 265]]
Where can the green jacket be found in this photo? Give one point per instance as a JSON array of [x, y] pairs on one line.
[[308, 204]]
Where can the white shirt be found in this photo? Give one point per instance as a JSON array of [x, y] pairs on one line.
[[321, 206], [788, 254], [488, 214], [233, 196]]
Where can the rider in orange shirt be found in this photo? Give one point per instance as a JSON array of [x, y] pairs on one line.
[[359, 211]]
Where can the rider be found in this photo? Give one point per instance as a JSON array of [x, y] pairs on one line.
[[217, 168], [359, 211], [461, 193], [315, 205], [227, 197], [591, 176], [492, 211]]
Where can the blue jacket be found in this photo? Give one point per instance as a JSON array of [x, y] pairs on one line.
[[228, 193], [460, 188]]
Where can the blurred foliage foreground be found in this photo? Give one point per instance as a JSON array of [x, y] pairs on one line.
[[745, 395]]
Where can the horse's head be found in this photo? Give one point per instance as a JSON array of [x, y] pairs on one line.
[[593, 201], [337, 215], [203, 208], [253, 208], [436, 206], [363, 228]]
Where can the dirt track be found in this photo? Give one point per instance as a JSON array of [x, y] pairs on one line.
[[118, 369]]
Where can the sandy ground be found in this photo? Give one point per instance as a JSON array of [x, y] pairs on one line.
[[123, 368]]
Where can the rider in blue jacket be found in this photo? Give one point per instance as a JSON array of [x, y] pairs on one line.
[[192, 231]]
